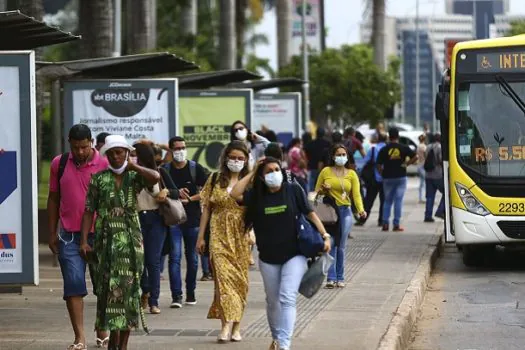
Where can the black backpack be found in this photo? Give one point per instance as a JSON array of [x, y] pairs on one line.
[[430, 160], [368, 172]]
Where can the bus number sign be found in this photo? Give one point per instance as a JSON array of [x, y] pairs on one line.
[[501, 62], [504, 153]]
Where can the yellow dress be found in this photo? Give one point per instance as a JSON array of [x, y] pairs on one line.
[[229, 253]]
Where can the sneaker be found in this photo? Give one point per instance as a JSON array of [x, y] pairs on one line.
[[330, 285], [207, 277], [398, 229], [176, 303], [429, 220], [385, 227], [190, 299], [154, 310], [274, 345], [340, 285]]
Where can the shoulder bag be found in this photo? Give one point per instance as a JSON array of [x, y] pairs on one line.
[[324, 210], [172, 210]]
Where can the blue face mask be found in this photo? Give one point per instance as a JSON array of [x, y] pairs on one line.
[[341, 160], [274, 179]]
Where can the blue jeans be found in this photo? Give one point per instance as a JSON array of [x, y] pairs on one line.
[[205, 264], [312, 179], [336, 273], [72, 265], [434, 185], [281, 285], [189, 236], [394, 192], [153, 233], [421, 175]]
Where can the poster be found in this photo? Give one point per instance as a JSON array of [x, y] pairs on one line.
[[314, 29], [205, 119], [135, 109], [278, 112], [18, 204]]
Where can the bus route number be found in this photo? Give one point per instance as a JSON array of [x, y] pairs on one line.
[[512, 207], [504, 153]]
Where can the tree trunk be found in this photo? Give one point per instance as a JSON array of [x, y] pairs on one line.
[[96, 27], [378, 32], [35, 8], [284, 30], [241, 6], [227, 37], [139, 26], [3, 5], [188, 19]]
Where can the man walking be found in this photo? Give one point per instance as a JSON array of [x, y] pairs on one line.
[[70, 175], [189, 177], [434, 179], [315, 152], [392, 165]]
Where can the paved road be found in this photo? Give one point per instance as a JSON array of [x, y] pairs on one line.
[[379, 268], [474, 308]]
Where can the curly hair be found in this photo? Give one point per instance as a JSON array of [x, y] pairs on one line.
[[224, 172]]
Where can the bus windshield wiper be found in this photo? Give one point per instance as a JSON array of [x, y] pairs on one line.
[[511, 92]]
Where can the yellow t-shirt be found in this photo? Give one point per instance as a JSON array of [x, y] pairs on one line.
[[348, 184]]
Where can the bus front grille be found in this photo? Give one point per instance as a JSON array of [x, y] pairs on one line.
[[513, 229]]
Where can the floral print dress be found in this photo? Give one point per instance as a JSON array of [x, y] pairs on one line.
[[119, 250]]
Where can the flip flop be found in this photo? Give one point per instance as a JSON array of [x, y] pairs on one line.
[[102, 343], [78, 346]]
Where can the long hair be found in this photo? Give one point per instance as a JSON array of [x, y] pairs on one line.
[[234, 138], [145, 156], [331, 161], [259, 188], [224, 172]]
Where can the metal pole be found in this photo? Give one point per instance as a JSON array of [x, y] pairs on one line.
[[56, 121], [418, 122], [117, 28], [306, 86]]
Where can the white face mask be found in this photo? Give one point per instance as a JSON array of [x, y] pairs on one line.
[[180, 156], [274, 179], [242, 134], [341, 160], [235, 166], [120, 170]]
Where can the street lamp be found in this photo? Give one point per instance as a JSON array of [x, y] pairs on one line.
[[306, 85], [418, 122]]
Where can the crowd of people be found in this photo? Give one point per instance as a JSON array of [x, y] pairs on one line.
[[107, 198]]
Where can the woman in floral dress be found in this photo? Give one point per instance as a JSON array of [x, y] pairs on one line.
[[229, 243], [118, 254]]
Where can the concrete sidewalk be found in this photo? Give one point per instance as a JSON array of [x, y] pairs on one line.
[[379, 268]]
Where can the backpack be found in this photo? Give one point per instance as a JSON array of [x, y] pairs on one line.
[[430, 160], [193, 169], [368, 172], [61, 167]]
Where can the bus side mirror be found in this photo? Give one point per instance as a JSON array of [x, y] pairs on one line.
[[441, 104]]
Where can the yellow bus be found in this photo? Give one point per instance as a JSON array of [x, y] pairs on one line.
[[481, 108]]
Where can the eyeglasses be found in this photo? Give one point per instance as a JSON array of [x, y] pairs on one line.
[[239, 129], [240, 159]]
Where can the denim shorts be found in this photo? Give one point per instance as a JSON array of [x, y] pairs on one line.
[[72, 265]]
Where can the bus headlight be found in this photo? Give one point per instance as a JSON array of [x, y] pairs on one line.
[[470, 202]]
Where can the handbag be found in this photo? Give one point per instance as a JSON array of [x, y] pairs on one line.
[[326, 212], [172, 210], [315, 276]]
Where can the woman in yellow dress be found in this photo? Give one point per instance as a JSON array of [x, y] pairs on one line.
[[229, 244]]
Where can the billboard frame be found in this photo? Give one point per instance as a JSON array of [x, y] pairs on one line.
[[296, 96]]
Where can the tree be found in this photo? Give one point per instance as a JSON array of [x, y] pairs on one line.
[[139, 26], [348, 83], [189, 18], [284, 29], [227, 36], [96, 28], [378, 29], [516, 28]]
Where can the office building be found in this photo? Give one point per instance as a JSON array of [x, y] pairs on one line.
[[482, 11]]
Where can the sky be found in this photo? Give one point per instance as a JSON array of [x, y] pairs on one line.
[[342, 18]]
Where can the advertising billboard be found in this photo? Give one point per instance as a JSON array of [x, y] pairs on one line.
[[278, 112], [18, 170], [314, 26], [135, 109], [205, 119]]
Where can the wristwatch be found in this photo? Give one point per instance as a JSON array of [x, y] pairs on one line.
[[326, 236]]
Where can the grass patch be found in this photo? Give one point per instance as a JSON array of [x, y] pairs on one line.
[[43, 186]]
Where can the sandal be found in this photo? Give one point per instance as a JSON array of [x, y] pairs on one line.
[[102, 343], [78, 346]]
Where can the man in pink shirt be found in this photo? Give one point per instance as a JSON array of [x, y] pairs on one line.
[[66, 202]]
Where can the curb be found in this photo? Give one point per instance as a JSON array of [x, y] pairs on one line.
[[397, 335]]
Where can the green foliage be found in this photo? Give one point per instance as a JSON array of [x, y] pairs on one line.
[[259, 65], [347, 83], [516, 28]]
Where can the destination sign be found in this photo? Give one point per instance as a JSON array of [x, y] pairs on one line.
[[504, 62]]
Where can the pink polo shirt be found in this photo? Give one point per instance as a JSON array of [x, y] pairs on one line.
[[73, 188]]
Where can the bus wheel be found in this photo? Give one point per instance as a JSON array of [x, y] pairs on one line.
[[473, 255]]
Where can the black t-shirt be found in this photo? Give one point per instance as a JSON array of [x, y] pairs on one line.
[[392, 157], [315, 151], [182, 179], [274, 222]]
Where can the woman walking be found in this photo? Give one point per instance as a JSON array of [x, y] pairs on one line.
[[228, 243], [152, 225], [297, 162], [340, 182], [118, 252], [272, 207], [256, 143], [421, 152]]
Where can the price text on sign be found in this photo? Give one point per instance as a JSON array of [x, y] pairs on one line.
[[502, 153]]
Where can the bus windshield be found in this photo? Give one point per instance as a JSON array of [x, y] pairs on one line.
[[491, 128]]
